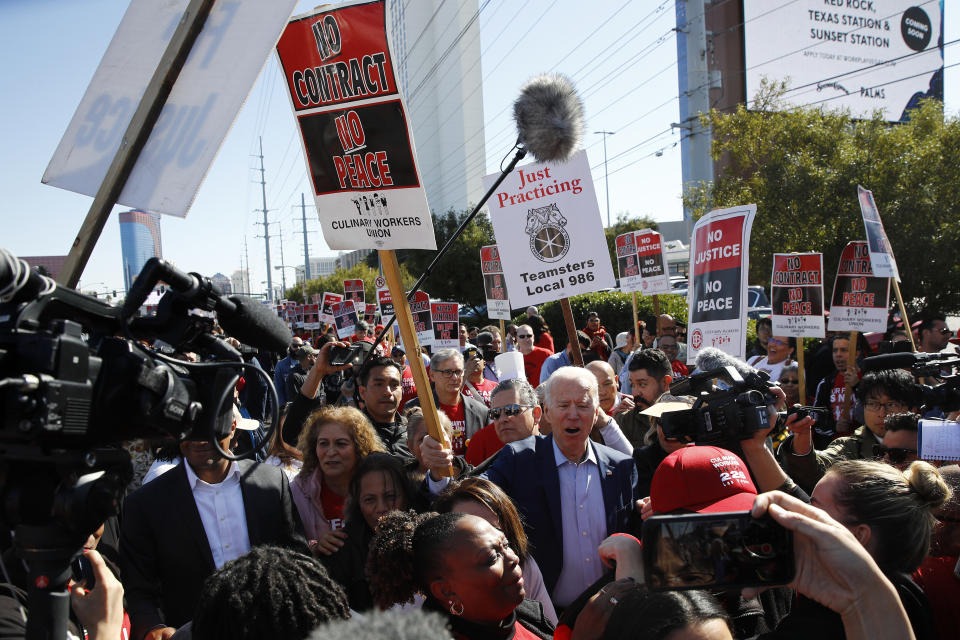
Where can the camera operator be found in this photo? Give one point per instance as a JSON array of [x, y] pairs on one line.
[[650, 377], [490, 345], [310, 396], [881, 393]]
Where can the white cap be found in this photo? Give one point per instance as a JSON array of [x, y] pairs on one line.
[[509, 365], [622, 339]]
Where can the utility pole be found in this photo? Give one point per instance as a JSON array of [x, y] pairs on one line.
[[606, 176], [283, 263], [245, 279], [266, 224], [306, 245]]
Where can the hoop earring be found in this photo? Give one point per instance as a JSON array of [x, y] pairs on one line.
[[453, 608]]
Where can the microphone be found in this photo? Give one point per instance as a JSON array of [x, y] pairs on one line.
[[903, 360], [549, 117], [242, 317], [711, 359]]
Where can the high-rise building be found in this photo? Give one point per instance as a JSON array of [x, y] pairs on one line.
[[139, 241], [240, 282], [436, 50], [222, 282]]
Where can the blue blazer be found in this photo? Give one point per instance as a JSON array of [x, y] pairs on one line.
[[527, 471]]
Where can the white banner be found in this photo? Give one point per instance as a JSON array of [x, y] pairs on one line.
[[719, 267], [861, 55], [215, 80], [549, 232]]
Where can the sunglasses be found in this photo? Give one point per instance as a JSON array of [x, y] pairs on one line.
[[897, 455], [775, 341], [945, 331], [508, 410], [524, 336], [790, 381]]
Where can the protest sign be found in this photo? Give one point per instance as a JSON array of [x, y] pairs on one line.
[[316, 298], [353, 290], [549, 232], [203, 103], [311, 313], [422, 323], [385, 302], [627, 265], [498, 303], [860, 299], [882, 261], [356, 134], [369, 313], [345, 318], [446, 325], [796, 291], [653, 263], [326, 306], [719, 251]]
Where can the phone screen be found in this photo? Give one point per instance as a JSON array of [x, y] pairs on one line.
[[724, 550]]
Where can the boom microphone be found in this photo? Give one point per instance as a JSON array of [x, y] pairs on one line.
[[711, 359], [549, 117], [903, 360], [254, 323]]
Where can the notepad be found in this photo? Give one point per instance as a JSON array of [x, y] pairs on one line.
[[938, 440]]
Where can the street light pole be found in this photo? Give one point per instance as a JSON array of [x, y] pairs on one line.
[[606, 176]]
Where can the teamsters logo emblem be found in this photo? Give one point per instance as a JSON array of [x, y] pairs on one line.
[[549, 240]]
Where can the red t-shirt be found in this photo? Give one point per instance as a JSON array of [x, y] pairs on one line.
[[458, 417], [520, 633], [332, 507], [679, 369], [545, 342], [408, 385], [482, 445], [484, 388], [532, 362]]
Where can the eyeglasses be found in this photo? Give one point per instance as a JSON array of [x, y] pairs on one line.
[[508, 410], [790, 381], [664, 345], [890, 407], [945, 331], [524, 336], [896, 455], [450, 373]]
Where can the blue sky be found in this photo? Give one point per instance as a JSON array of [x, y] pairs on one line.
[[620, 54]]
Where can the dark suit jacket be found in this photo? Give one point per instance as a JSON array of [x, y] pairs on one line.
[[527, 471], [164, 552]]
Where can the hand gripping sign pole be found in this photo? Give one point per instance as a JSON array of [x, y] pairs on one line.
[[401, 310]]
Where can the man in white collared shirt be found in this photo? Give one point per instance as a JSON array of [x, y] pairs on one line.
[[192, 520]]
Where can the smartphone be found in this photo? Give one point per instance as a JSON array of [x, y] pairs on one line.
[[340, 356], [83, 572], [716, 551]]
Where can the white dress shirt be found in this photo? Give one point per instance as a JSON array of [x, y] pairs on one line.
[[584, 525], [222, 513]]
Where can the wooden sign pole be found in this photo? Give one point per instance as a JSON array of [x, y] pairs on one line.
[[401, 310], [135, 138], [571, 332], [656, 311], [801, 375], [903, 313], [636, 324], [503, 337], [847, 389]]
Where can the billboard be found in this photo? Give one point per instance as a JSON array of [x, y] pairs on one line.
[[863, 55]]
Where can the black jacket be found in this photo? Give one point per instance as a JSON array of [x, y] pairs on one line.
[[164, 552], [393, 435], [647, 459], [347, 566]]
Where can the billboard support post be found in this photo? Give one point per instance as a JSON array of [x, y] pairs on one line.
[[135, 137]]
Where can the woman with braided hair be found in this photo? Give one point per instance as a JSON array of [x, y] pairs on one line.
[[463, 567]]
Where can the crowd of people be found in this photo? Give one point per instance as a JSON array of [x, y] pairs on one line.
[[522, 517]]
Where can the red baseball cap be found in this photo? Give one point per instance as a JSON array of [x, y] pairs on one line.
[[702, 480]]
